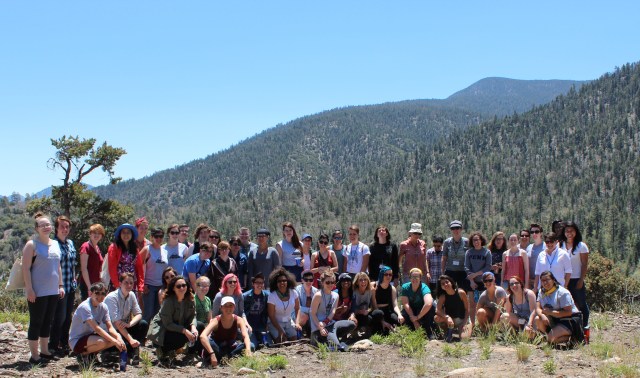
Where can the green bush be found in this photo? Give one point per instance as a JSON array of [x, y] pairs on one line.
[[608, 288]]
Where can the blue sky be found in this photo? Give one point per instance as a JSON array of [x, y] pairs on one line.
[[175, 81]]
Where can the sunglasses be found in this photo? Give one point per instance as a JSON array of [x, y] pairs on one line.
[[308, 279], [174, 232], [388, 274], [158, 236], [535, 231], [513, 283], [456, 228], [232, 282], [487, 281], [180, 286], [329, 282], [166, 278], [214, 237], [337, 238], [323, 242]]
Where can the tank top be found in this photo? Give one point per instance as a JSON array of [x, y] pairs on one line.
[[226, 336], [45, 278], [521, 310], [383, 297], [175, 255], [513, 266], [453, 305], [361, 301], [155, 265], [318, 262]]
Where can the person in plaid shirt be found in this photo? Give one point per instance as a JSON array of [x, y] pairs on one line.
[[434, 263], [62, 319]]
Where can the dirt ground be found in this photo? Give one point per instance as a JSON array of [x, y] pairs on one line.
[[613, 352]]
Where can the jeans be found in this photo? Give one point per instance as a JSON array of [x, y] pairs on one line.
[[151, 303], [41, 314], [62, 321], [335, 332], [580, 299], [257, 338], [227, 350]]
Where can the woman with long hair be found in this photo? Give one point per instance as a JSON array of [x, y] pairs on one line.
[[229, 288], [515, 262], [175, 250], [91, 260], [556, 314], [123, 257], [452, 311], [364, 302], [383, 252], [155, 261], [344, 288], [520, 309], [324, 259], [497, 246], [289, 249], [579, 253], [167, 275], [324, 327]]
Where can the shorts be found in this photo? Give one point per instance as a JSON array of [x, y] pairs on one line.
[[288, 327], [81, 344], [571, 323]]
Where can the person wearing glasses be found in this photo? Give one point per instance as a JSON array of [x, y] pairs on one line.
[[554, 259], [497, 246], [323, 260], [525, 237], [263, 259], [305, 292], [126, 317], [282, 303], [364, 301], [515, 262], [155, 261], [240, 258], [386, 315], [324, 328], [520, 309], [490, 303], [477, 261], [556, 314], [175, 250], [383, 253], [175, 324], [413, 253], [220, 267], [230, 288], [417, 303], [533, 251], [200, 236], [198, 264], [338, 249], [454, 249], [167, 274], [255, 311], [91, 328], [452, 312], [214, 238]]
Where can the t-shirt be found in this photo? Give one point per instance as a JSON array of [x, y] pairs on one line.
[[484, 300], [355, 255], [576, 263], [255, 313], [94, 263], [361, 301], [559, 263], [84, 312], [557, 300], [533, 251], [284, 309], [203, 308], [416, 298], [195, 265], [176, 255]]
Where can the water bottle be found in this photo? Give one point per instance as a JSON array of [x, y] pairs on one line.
[[299, 334], [123, 360], [265, 340]]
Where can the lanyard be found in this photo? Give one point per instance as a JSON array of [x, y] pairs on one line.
[[555, 258]]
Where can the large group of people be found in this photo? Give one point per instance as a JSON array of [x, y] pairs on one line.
[[216, 298]]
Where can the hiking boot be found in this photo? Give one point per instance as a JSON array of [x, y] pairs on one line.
[[135, 357], [449, 335]]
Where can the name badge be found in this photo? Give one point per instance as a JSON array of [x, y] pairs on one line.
[[456, 262]]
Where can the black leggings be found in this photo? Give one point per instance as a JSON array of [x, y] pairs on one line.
[[173, 341], [41, 315], [378, 316]]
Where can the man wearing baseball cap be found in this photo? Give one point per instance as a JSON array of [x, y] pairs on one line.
[[454, 249]]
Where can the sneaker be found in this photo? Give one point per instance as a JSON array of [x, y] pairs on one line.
[[343, 347], [135, 357], [449, 335]]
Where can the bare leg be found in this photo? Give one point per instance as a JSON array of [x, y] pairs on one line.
[[33, 348]]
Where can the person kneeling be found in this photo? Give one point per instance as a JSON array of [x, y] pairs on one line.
[[490, 303], [323, 309], [126, 316], [86, 335], [452, 311], [556, 313], [219, 338]]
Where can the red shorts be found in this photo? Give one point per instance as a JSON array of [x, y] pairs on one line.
[[81, 345]]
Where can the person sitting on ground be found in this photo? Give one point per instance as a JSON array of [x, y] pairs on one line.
[[86, 335], [490, 303], [203, 303], [520, 309], [363, 301], [219, 338], [452, 312], [175, 324], [255, 312], [324, 327], [417, 303], [305, 292], [126, 316], [386, 315], [282, 303], [556, 314], [167, 275], [344, 290]]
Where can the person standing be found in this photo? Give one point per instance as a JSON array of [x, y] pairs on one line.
[[198, 264], [414, 252], [554, 259], [289, 249], [91, 260], [515, 262], [220, 267], [142, 226], [497, 246], [240, 258], [357, 254], [43, 287], [263, 259], [200, 236], [434, 263], [338, 249], [525, 236], [454, 249], [155, 261], [246, 245], [533, 251], [175, 250], [383, 253], [477, 261], [323, 260], [184, 235], [64, 310], [579, 253]]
